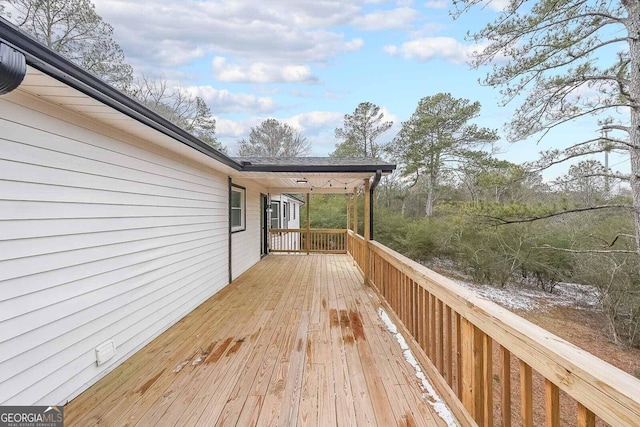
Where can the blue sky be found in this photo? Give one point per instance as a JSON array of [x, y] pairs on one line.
[[309, 62]]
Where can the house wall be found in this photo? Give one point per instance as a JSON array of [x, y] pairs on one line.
[[294, 221], [245, 245], [102, 237], [291, 221]]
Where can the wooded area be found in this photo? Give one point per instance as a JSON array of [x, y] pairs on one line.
[[469, 231]]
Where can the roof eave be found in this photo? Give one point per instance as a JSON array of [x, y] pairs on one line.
[[386, 169], [41, 58]]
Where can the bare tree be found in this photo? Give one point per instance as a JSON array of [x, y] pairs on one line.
[[178, 106], [73, 29], [274, 139], [585, 181]]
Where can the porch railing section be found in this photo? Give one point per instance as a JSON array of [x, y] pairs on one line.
[[356, 246], [456, 332], [314, 240]]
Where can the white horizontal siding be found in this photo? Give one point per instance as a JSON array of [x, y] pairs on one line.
[[102, 236], [245, 245]]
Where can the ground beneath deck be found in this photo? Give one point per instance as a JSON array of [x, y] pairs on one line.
[[296, 340]]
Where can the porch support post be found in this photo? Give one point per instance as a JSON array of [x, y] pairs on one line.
[[367, 231], [348, 212], [355, 210], [308, 238]]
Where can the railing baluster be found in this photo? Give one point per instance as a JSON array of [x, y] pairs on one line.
[[586, 418], [425, 321], [459, 355], [505, 381], [439, 331], [526, 394], [407, 299], [449, 334], [432, 328], [552, 403], [487, 372], [472, 370], [398, 296], [416, 306]]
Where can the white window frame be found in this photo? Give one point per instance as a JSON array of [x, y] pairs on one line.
[[242, 208]]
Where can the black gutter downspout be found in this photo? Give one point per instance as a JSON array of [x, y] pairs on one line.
[[13, 68], [374, 184], [230, 234]]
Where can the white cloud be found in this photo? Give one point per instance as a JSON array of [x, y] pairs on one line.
[[354, 45], [498, 5], [437, 4], [387, 19], [300, 94], [160, 34], [223, 101], [265, 90], [260, 72], [388, 116], [231, 128], [330, 94], [428, 48], [315, 122]]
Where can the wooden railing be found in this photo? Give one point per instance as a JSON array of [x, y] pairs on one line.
[[356, 246], [455, 333], [291, 240]]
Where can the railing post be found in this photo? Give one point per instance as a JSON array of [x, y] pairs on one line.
[[355, 210], [472, 370], [367, 232], [308, 239]]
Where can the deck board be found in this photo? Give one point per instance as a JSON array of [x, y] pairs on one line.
[[296, 340]]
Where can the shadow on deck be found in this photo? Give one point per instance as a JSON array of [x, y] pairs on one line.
[[295, 340]]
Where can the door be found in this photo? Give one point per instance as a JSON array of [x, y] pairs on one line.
[[264, 230]]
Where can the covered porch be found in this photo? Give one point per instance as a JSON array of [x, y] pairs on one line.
[[296, 340]]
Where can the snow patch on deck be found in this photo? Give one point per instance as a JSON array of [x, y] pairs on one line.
[[430, 394]]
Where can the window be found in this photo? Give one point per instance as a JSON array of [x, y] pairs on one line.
[[238, 213], [275, 214]]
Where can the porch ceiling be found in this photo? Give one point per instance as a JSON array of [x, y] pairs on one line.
[[311, 174], [308, 182]]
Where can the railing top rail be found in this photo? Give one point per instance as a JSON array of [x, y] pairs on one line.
[[312, 230], [354, 235], [610, 393]]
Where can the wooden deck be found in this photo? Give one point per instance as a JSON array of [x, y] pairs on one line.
[[296, 340]]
